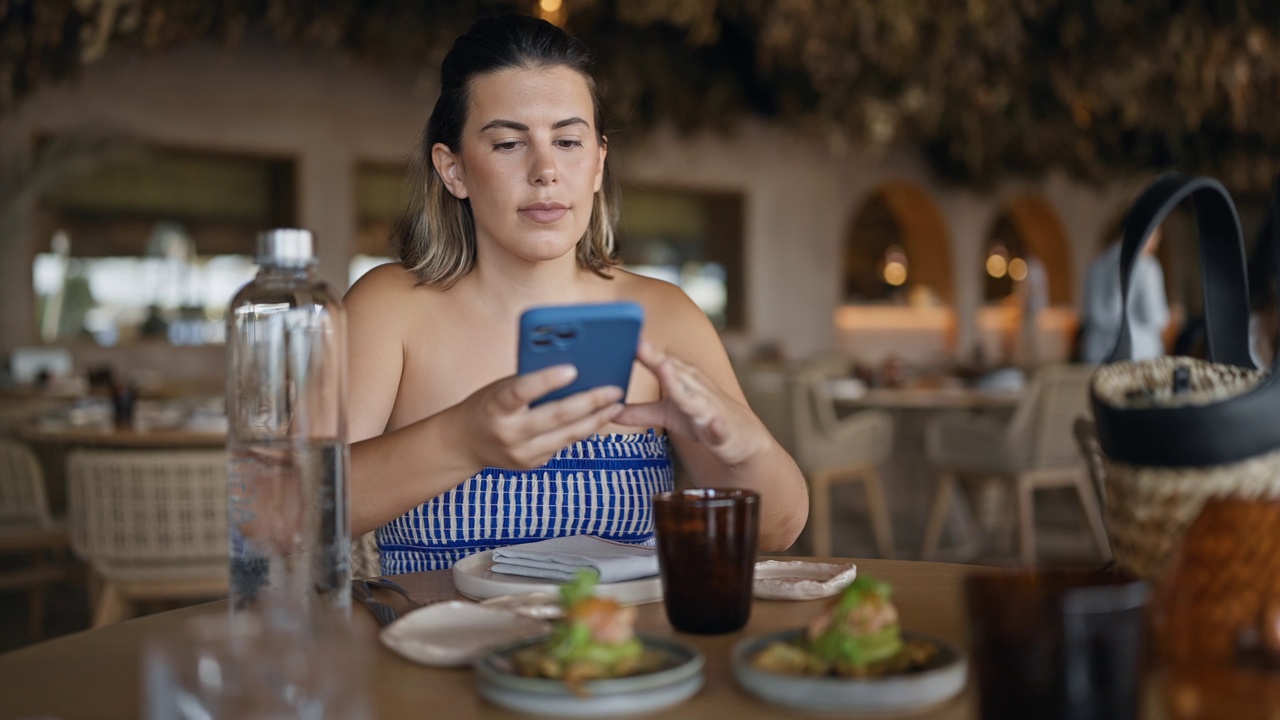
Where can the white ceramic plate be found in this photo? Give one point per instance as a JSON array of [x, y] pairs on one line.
[[536, 605], [473, 576], [799, 580], [624, 696], [452, 634], [941, 681]]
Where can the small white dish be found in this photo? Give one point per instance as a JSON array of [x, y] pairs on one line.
[[473, 576], [452, 634], [800, 580], [536, 605], [636, 694]]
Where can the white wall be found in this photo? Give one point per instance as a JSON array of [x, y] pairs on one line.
[[801, 198], [329, 115]]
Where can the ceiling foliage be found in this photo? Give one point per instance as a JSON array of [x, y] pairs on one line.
[[989, 88]]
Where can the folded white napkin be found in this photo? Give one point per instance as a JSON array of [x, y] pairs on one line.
[[559, 558]]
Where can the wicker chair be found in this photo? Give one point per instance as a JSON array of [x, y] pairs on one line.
[[27, 527], [830, 451], [366, 560], [1035, 450], [152, 525]]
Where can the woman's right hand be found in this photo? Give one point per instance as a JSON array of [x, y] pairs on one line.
[[495, 427]]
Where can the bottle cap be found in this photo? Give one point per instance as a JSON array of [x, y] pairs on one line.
[[285, 247]]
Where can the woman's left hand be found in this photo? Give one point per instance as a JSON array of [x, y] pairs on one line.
[[694, 406]]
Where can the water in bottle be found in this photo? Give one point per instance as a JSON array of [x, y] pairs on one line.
[[287, 467]]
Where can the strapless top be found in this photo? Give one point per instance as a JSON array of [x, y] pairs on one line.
[[598, 486]]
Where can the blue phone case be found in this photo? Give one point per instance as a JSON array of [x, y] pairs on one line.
[[600, 340]]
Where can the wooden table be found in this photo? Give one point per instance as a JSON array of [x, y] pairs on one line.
[[95, 674], [931, 399]]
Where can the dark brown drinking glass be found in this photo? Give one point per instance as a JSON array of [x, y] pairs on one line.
[[707, 541], [1058, 644]]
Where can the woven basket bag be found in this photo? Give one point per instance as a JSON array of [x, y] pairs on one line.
[[1176, 431]]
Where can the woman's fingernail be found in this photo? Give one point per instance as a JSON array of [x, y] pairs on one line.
[[566, 372]]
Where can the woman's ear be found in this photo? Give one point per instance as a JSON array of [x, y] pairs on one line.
[[449, 168], [604, 150]]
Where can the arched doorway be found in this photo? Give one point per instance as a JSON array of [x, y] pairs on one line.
[[1027, 227], [1027, 316], [897, 279], [898, 250]]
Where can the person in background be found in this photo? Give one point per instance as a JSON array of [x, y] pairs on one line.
[[1264, 313], [447, 457], [1032, 294], [1100, 318]]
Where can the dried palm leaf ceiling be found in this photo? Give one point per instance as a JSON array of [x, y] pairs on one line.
[[989, 88]]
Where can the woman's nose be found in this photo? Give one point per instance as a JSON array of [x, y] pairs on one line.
[[543, 170]]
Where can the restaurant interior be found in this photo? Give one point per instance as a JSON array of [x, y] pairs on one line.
[[887, 210]]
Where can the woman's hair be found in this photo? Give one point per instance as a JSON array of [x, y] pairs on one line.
[[435, 234]]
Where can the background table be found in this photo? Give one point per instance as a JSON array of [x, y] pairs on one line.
[[930, 399], [95, 674], [910, 480]]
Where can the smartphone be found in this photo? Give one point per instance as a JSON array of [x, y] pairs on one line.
[[599, 340]]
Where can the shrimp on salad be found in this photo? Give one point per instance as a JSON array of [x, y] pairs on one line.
[[595, 640], [858, 635]]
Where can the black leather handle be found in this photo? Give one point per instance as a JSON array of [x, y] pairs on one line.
[[1226, 431], [1222, 260]]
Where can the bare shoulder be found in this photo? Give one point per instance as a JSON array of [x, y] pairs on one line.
[[385, 294], [384, 280]]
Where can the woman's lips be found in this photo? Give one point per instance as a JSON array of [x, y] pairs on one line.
[[544, 212]]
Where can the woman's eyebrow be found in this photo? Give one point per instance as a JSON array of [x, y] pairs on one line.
[[521, 127], [505, 124], [570, 121]]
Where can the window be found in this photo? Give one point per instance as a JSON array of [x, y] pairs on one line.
[[379, 191], [690, 238], [153, 245]]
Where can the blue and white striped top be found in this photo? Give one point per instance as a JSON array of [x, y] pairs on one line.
[[599, 486]]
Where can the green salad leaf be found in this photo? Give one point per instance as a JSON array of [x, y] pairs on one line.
[[838, 645], [860, 590], [581, 587]]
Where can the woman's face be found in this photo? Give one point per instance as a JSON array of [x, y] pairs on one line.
[[530, 161]]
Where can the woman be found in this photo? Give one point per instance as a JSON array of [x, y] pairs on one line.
[[516, 213]]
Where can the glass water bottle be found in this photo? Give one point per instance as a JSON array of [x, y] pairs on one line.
[[287, 452]]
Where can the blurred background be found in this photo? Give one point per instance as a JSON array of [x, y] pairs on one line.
[[818, 174], [910, 191]]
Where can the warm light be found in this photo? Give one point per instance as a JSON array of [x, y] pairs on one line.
[[550, 6], [895, 273], [1018, 269], [997, 266]]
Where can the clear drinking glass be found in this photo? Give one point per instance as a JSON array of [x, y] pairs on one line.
[[240, 667]]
